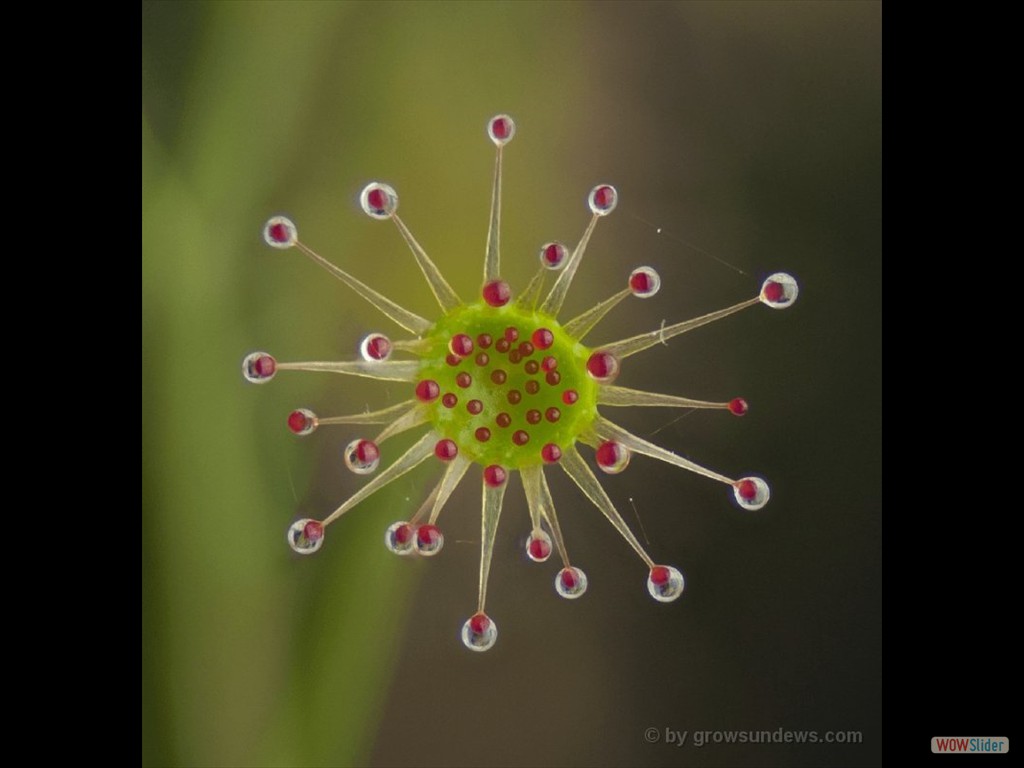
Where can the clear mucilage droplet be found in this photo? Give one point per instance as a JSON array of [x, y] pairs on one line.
[[362, 456], [665, 583], [479, 632], [751, 493]]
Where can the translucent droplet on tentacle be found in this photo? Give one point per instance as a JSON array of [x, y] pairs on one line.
[[501, 129], [306, 536], [375, 347], [302, 421], [603, 199], [553, 255], [644, 282], [751, 492], [665, 583], [479, 632], [429, 540], [538, 546], [571, 582], [400, 538], [779, 290], [379, 200], [280, 232], [259, 367], [362, 456], [612, 457]]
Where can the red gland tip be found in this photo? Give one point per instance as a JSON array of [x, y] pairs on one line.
[[280, 232], [497, 293], [379, 200], [313, 531], [427, 390], [461, 345], [302, 421], [551, 453], [738, 406], [362, 456], [612, 457], [429, 540], [542, 338], [446, 449], [501, 129], [747, 489], [603, 367], [259, 367], [375, 347], [494, 475], [553, 255], [644, 282], [660, 575]]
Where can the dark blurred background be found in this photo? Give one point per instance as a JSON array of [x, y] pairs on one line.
[[744, 138]]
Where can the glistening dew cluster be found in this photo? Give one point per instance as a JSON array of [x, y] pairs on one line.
[[502, 383]]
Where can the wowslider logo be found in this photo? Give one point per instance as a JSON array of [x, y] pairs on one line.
[[970, 745]]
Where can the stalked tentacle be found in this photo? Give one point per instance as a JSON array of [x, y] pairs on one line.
[[581, 474], [442, 291], [452, 477], [412, 418], [556, 296], [581, 325], [406, 319], [386, 370], [494, 485], [380, 201], [635, 344], [616, 396], [542, 507], [501, 129], [609, 431], [416, 455], [383, 416]]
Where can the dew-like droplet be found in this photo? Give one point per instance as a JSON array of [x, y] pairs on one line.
[[738, 406], [603, 199], [665, 583], [302, 421], [779, 291], [379, 200], [479, 632], [362, 456], [603, 367], [494, 475], [751, 492], [259, 367], [644, 282], [280, 232], [501, 129], [375, 347], [306, 536], [553, 255], [571, 582], [497, 293], [429, 540], [612, 457], [400, 538], [538, 546]]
